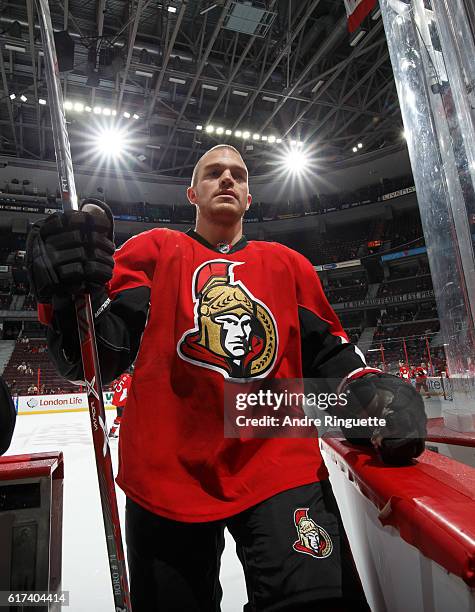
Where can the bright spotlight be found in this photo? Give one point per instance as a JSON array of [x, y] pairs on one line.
[[264, 138], [279, 140], [78, 107], [271, 139], [219, 130], [360, 145], [296, 161], [106, 111], [238, 133], [68, 105], [110, 142], [97, 110], [209, 129], [198, 127], [23, 98], [12, 96], [246, 135], [114, 112], [355, 149], [256, 137], [126, 115], [135, 116], [228, 132], [293, 143], [88, 109], [42, 101]]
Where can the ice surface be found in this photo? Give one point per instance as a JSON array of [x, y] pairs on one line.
[[85, 568]]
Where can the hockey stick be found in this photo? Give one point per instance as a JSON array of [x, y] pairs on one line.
[[92, 374]]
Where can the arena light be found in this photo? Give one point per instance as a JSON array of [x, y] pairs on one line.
[[238, 133], [68, 105], [199, 127], [296, 161], [219, 130], [97, 110], [360, 145], [135, 116], [264, 138], [355, 149], [42, 102], [110, 142], [88, 109], [271, 139], [246, 135], [106, 111], [228, 132], [15, 48], [23, 98], [78, 107], [209, 129], [278, 140], [317, 86], [357, 37], [256, 137], [12, 96]]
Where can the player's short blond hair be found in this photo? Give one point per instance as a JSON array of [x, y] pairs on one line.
[[198, 163]]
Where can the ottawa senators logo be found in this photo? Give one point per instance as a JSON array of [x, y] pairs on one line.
[[234, 334], [313, 539]]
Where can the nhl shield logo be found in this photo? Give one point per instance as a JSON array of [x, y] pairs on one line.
[[235, 333], [312, 539]]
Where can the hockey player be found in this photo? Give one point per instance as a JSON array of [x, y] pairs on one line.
[[420, 374], [198, 309], [121, 390], [404, 371]]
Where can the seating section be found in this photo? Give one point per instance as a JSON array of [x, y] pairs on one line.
[[30, 364], [405, 285], [412, 339], [346, 289], [5, 301]]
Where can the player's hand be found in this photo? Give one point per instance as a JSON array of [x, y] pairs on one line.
[[71, 252], [390, 398]]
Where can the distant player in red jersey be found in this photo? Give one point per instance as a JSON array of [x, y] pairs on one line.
[[121, 390], [196, 310], [420, 374], [404, 371]]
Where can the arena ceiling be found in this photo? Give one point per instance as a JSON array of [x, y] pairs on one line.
[[283, 69]]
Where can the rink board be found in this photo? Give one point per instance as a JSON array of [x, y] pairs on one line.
[[50, 404], [395, 574]]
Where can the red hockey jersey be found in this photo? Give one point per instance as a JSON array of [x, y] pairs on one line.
[[174, 459], [256, 311], [420, 374], [121, 390]]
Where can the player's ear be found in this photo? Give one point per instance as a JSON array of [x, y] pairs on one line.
[[249, 201], [191, 195]]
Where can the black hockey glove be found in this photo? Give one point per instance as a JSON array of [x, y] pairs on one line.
[[390, 398], [71, 252]]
